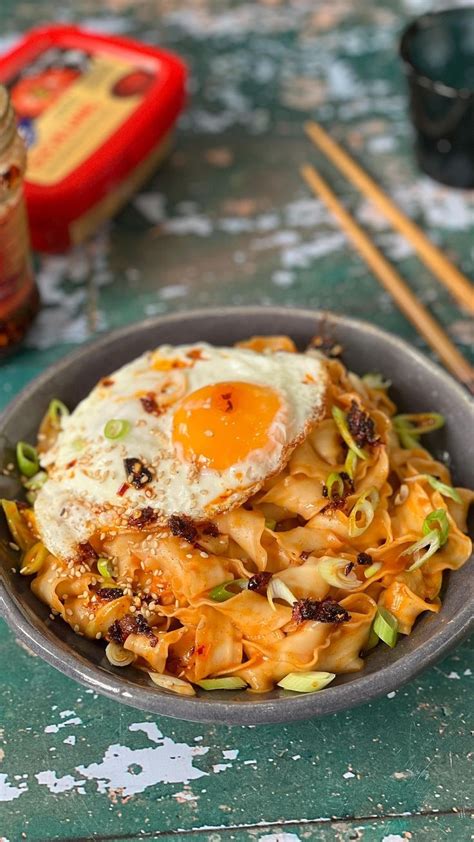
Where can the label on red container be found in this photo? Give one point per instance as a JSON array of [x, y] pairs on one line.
[[69, 102]]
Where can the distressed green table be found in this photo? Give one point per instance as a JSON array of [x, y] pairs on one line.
[[227, 220]]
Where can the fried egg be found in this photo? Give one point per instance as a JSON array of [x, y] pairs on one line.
[[196, 430]]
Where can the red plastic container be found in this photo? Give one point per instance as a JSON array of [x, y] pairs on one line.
[[97, 114]]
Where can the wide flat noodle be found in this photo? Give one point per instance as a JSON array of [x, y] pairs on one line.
[[172, 593]]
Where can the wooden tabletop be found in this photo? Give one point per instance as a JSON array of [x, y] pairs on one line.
[[227, 220]]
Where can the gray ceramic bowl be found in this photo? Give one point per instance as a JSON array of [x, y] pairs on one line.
[[418, 385]]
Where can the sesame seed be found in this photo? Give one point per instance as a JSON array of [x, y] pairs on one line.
[[13, 545], [98, 635]]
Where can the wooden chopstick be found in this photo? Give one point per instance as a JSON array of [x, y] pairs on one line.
[[458, 285], [393, 282]]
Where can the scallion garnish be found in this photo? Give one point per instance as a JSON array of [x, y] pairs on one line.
[[437, 520], [223, 592], [373, 639], [374, 380], [431, 542], [435, 530], [306, 682], [34, 484], [116, 428], [386, 626], [118, 656], [276, 589], [170, 682], [36, 481], [19, 530], [363, 512], [270, 523], [340, 417], [27, 459], [103, 566], [57, 410], [335, 486], [232, 682], [338, 573], [373, 569], [409, 426], [351, 463], [33, 559], [445, 490]]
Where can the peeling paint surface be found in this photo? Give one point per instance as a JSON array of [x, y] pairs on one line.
[[227, 220]]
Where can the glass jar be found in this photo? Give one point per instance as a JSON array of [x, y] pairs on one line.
[[19, 298]]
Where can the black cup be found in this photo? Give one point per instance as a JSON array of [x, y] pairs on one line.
[[438, 57]]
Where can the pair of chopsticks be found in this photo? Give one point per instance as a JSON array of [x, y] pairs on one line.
[[457, 284]]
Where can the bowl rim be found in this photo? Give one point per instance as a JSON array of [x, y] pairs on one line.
[[335, 698]]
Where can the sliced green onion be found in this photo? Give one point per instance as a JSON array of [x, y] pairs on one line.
[[34, 484], [407, 439], [233, 682], [33, 559], [351, 463], [306, 682], [170, 682], [19, 530], [270, 523], [57, 410], [373, 569], [386, 626], [333, 571], [432, 543], [27, 459], [436, 531], [335, 486], [223, 592], [36, 481], [437, 520], [278, 590], [372, 640], [365, 506], [410, 426], [340, 418], [401, 495], [374, 380], [118, 656], [103, 566], [116, 428], [420, 422], [445, 490]]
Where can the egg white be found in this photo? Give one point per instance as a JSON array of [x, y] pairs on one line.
[[86, 470]]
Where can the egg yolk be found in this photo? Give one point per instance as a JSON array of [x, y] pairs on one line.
[[225, 422]]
